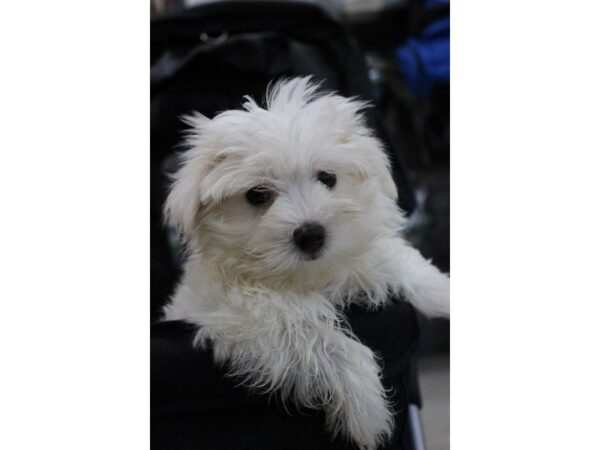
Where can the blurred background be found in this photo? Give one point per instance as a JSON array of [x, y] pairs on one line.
[[405, 47]]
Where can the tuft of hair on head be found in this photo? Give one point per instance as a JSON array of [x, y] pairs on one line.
[[287, 96], [291, 93]]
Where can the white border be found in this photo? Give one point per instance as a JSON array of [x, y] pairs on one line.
[[74, 99]]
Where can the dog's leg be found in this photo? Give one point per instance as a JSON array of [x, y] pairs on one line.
[[358, 408], [298, 350], [417, 279]]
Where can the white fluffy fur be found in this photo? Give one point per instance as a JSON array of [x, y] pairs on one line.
[[273, 317]]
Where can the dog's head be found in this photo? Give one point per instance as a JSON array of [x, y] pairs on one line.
[[291, 195]]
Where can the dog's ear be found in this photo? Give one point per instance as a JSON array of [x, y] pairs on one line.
[[347, 117], [381, 168], [184, 199], [372, 163], [183, 202]]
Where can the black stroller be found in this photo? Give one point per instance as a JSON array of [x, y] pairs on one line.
[[206, 59]]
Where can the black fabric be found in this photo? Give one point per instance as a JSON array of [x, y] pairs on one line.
[[207, 58], [196, 406]]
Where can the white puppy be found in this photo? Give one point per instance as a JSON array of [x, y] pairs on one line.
[[288, 214]]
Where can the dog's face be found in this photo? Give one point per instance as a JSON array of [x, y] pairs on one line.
[[291, 196]]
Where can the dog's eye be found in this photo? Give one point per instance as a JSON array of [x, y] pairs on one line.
[[328, 179], [258, 195]]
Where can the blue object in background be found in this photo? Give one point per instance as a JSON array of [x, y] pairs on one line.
[[425, 60]]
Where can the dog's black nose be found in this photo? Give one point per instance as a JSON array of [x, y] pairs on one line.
[[309, 237]]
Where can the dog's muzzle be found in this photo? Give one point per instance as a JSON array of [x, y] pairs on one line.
[[310, 238]]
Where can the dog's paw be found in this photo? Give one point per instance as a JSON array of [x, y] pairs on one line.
[[369, 422], [365, 420], [423, 285], [439, 296], [359, 409]]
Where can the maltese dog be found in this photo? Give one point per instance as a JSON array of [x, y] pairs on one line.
[[289, 214]]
